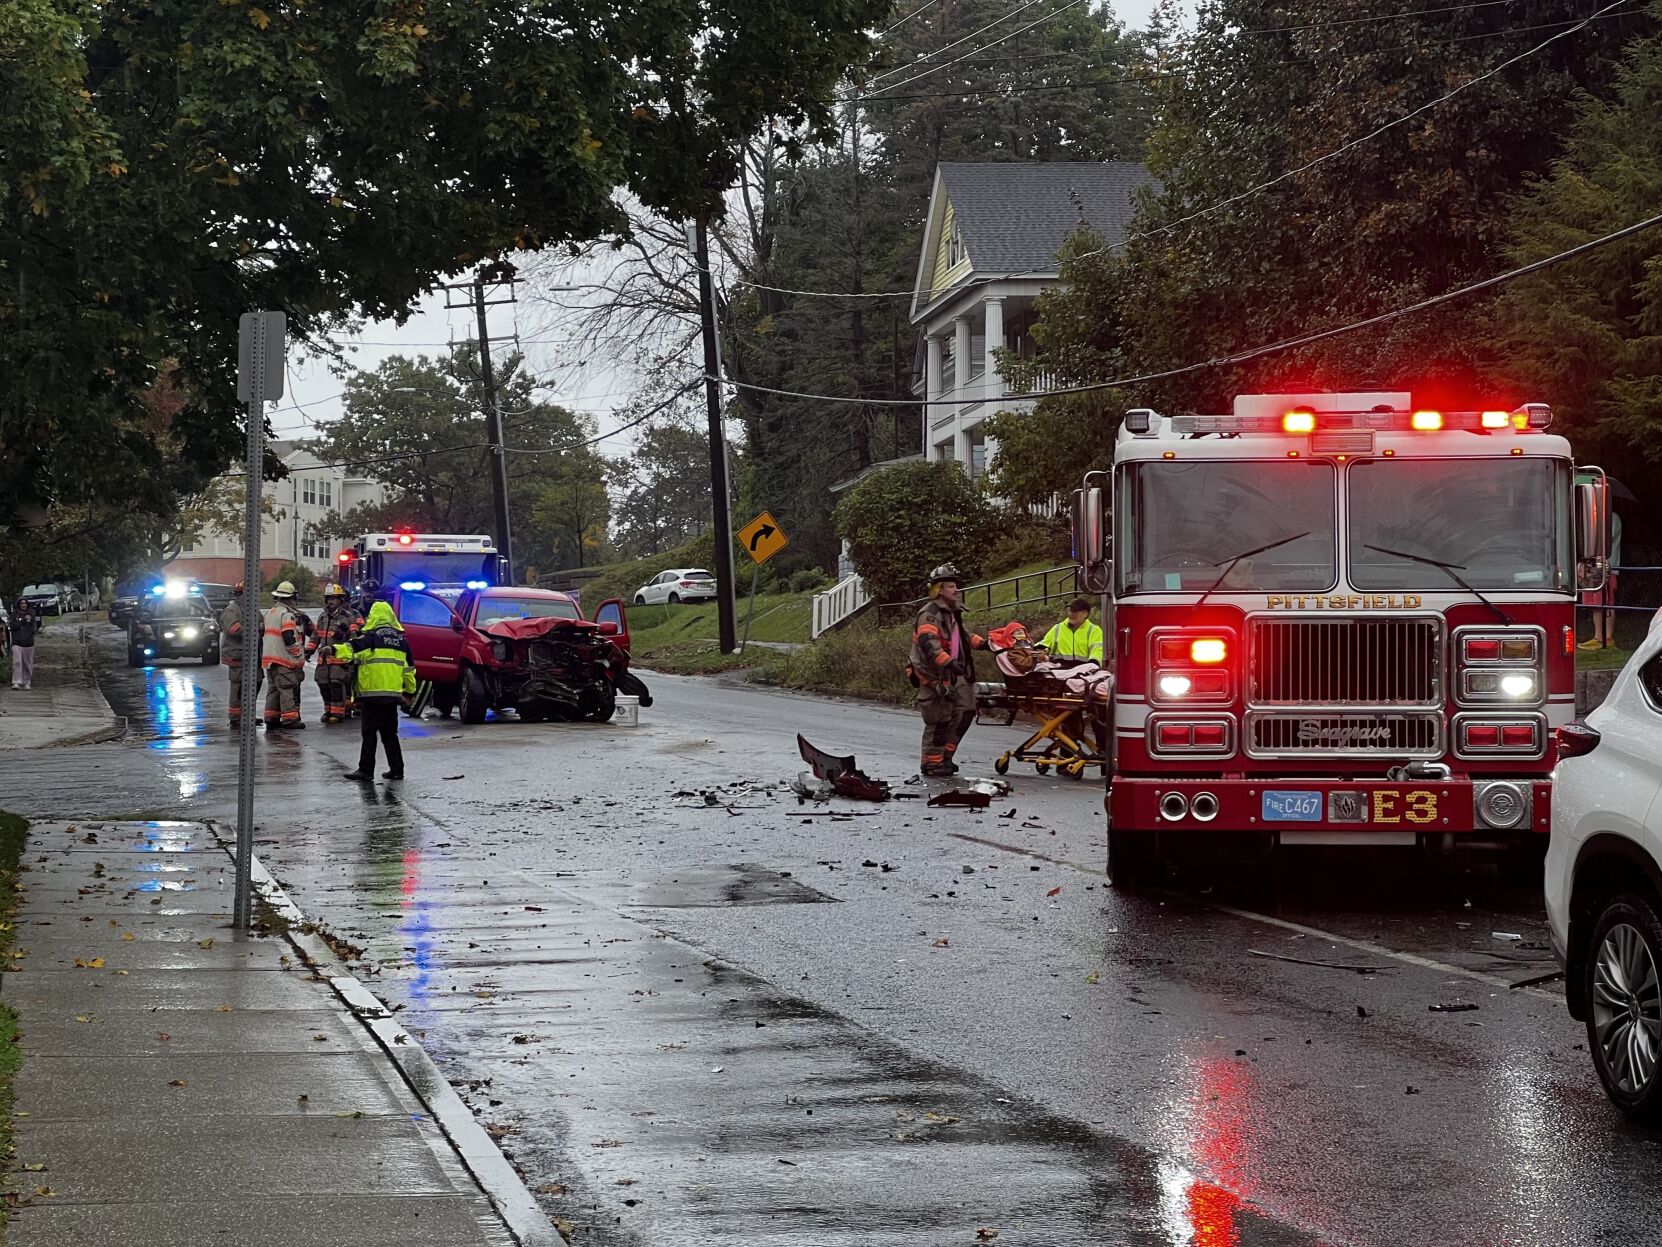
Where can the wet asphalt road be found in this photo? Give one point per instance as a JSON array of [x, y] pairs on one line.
[[750, 1023]]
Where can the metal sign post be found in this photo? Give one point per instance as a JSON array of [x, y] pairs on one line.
[[762, 538], [259, 381]]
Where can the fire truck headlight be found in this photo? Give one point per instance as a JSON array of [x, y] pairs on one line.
[[1175, 685], [1518, 685]]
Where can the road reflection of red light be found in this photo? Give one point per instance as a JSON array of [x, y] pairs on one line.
[[412, 874], [1212, 1216]]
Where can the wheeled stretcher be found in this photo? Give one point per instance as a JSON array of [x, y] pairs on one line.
[[1070, 705]]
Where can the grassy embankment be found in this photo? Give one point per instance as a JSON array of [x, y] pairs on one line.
[[13, 834]]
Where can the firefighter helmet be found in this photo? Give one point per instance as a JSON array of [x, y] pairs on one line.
[[946, 571], [334, 591], [238, 588], [284, 590]]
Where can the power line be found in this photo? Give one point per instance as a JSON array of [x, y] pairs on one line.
[[913, 64], [1054, 13], [925, 5], [1382, 17], [1238, 357], [622, 428]]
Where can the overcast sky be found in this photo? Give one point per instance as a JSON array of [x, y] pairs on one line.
[[585, 384]]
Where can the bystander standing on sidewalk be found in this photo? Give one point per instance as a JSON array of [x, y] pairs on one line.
[[24, 627]]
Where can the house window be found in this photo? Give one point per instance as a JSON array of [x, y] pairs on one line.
[[308, 492], [954, 246], [978, 458], [326, 494]]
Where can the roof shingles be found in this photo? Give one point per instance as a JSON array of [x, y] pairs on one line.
[[1015, 217]]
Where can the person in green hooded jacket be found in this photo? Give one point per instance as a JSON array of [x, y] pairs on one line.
[[386, 679]]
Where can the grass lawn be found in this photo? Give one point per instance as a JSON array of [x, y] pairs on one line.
[[779, 617], [13, 833]]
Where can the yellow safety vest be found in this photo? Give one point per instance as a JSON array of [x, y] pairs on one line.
[[1065, 641]]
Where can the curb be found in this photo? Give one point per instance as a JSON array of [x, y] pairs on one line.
[[526, 1221]]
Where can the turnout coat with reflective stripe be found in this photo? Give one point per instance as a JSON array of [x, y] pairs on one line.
[[285, 637], [932, 645], [382, 657], [337, 624]]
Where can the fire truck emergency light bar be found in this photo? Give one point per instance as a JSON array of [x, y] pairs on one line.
[[1530, 418]]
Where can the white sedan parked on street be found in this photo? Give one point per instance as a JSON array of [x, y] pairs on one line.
[[1604, 881], [682, 584]]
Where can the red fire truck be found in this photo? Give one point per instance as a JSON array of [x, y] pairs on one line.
[[447, 563], [1337, 619]]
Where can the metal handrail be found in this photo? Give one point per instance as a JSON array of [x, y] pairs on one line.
[[1054, 582]]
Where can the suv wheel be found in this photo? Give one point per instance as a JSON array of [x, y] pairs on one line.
[[473, 699], [640, 599], [1624, 1015]]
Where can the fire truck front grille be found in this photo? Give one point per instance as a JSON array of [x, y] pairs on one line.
[[1394, 661], [1391, 734]]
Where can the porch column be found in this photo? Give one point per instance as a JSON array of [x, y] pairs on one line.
[[992, 383], [931, 390], [960, 355]]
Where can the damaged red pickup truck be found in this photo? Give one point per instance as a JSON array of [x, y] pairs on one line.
[[526, 650]]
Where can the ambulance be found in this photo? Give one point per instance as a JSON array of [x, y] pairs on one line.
[[444, 563]]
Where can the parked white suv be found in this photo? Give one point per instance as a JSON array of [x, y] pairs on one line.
[[679, 584], [1604, 881]]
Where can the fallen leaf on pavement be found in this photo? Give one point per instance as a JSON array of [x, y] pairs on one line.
[[1055, 891], [81, 1017], [222, 1008], [207, 943], [986, 1234], [551, 1188], [91, 963], [128, 936], [1093, 978], [35, 1168], [940, 943], [45, 1192], [163, 1036], [178, 1082]]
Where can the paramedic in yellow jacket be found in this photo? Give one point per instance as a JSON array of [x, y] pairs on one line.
[[1075, 638], [386, 679]]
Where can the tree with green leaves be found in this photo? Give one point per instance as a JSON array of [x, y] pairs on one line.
[[418, 426], [663, 491], [167, 166], [903, 521], [1586, 336]]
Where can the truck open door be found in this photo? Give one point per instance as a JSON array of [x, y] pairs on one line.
[[612, 612], [434, 640]]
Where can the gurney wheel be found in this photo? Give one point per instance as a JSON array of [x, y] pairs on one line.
[[1002, 766], [1074, 771], [1043, 768]]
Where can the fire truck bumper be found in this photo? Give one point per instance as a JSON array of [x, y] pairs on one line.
[[1330, 811]]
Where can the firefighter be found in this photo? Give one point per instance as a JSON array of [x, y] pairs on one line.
[[230, 650], [943, 671], [386, 678], [339, 622], [283, 658]]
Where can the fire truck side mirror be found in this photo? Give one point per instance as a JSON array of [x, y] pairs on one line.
[[1090, 537], [1592, 534]]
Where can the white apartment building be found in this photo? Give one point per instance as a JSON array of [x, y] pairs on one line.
[[989, 247], [313, 493]]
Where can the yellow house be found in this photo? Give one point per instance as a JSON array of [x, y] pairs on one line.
[[990, 243]]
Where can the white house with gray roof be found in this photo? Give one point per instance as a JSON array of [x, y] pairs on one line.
[[990, 244]]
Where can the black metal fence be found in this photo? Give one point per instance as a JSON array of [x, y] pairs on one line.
[[1027, 589]]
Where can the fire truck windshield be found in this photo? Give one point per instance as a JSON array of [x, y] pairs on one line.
[[1500, 522], [1177, 518], [435, 567]]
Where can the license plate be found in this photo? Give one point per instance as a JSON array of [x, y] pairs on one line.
[[1292, 807]]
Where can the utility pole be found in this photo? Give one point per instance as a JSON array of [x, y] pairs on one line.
[[484, 291], [726, 610]]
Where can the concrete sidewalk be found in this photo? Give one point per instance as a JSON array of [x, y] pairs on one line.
[[183, 1085], [64, 707]]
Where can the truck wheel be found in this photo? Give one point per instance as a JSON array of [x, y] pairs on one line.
[[472, 697], [444, 699], [211, 658], [604, 711], [533, 714], [1133, 859]]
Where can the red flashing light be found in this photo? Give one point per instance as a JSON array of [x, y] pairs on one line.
[[405, 539], [1299, 420], [1479, 649], [1208, 650], [1569, 641], [1427, 421], [1498, 419], [344, 557]]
